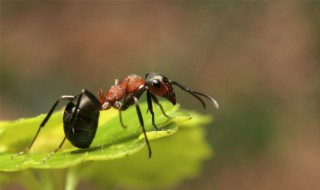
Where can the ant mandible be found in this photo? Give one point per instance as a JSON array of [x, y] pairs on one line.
[[130, 89], [81, 115]]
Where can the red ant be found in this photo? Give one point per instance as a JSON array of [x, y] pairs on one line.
[[81, 115], [133, 86]]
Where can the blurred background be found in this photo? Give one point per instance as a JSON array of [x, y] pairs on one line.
[[259, 60]]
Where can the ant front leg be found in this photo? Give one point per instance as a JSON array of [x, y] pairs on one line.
[[150, 108], [43, 123], [155, 100]]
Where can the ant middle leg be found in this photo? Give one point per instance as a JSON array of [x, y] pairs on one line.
[[121, 108], [121, 120], [142, 125], [129, 100]]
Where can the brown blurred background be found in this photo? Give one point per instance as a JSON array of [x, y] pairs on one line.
[[259, 60]]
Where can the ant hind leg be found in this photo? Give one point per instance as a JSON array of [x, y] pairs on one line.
[[55, 151], [43, 123]]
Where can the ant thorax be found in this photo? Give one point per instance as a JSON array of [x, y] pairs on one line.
[[132, 83]]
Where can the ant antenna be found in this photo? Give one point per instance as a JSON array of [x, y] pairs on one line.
[[195, 94]]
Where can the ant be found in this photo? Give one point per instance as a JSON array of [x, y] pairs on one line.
[[133, 86], [81, 114]]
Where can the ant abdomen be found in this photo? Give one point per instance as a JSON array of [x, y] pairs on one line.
[[80, 125]]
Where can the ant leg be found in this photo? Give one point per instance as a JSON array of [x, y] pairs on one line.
[[121, 120], [128, 101], [72, 121], [155, 100], [77, 106], [56, 150], [150, 108], [119, 107], [43, 123], [142, 125]]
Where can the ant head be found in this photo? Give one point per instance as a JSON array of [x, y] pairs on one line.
[[159, 85]]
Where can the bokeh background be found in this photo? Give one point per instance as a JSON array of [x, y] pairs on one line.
[[260, 60]]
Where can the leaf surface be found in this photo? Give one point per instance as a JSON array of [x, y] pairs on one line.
[[111, 141]]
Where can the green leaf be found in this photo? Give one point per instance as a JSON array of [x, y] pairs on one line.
[[122, 154], [176, 158], [110, 142]]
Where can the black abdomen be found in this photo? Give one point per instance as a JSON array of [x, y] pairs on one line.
[[80, 125]]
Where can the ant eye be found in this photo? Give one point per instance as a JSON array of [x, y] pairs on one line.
[[156, 83]]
